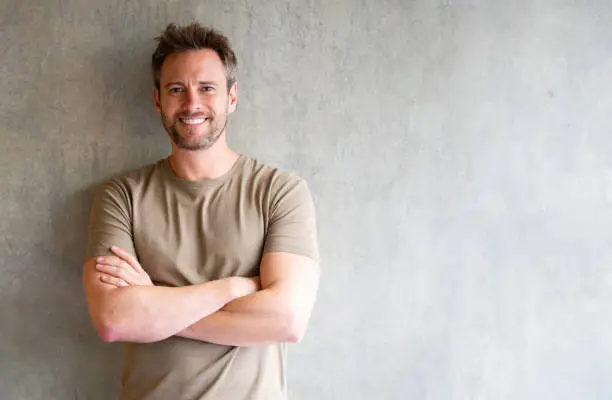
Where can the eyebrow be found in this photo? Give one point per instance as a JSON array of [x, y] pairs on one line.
[[181, 83]]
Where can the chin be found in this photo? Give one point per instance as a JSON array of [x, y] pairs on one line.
[[194, 145]]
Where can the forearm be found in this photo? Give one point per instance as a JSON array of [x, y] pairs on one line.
[[278, 313], [153, 313], [259, 318]]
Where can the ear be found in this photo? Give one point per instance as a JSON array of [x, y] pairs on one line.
[[156, 100], [232, 98]]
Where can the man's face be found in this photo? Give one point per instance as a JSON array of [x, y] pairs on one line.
[[193, 99]]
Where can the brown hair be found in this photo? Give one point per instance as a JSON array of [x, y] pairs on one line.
[[176, 39]]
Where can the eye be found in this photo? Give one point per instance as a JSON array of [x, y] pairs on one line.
[[207, 88], [175, 89]]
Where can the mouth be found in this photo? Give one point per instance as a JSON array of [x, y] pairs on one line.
[[193, 121]]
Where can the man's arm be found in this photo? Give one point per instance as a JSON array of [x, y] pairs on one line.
[[281, 310], [278, 313], [147, 313]]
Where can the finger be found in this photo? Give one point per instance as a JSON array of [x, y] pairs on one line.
[[113, 281], [122, 272], [110, 260], [129, 258], [115, 262]]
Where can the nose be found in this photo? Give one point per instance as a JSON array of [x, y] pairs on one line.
[[193, 100]]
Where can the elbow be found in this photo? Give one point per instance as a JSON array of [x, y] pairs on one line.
[[111, 327], [294, 337], [108, 334], [295, 329], [108, 331], [112, 330]]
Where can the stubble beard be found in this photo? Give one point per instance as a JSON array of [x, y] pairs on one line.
[[208, 138]]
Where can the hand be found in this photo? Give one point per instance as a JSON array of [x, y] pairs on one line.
[[122, 270], [245, 286]]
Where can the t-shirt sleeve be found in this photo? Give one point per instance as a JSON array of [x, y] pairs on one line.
[[292, 223], [110, 221]]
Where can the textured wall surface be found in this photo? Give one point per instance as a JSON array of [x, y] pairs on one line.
[[459, 153]]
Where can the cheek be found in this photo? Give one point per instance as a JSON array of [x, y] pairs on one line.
[[170, 102], [166, 115], [168, 109], [224, 105]]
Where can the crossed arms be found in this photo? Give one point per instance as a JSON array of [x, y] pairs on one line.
[[126, 307]]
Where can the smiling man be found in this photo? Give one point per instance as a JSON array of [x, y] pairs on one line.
[[205, 263]]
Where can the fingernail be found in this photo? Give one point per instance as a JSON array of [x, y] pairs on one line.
[[100, 259]]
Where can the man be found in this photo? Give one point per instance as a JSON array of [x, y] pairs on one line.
[[206, 262]]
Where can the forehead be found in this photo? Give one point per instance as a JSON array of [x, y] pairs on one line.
[[198, 65]]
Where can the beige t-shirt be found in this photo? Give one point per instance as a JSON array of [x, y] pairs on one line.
[[188, 232]]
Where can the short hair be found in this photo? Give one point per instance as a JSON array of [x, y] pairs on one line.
[[177, 39]]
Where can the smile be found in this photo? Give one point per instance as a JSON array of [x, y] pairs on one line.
[[192, 121]]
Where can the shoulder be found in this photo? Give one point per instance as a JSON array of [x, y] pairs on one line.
[[274, 179], [132, 180], [282, 191], [122, 188]]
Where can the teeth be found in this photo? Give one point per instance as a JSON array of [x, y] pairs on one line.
[[193, 121]]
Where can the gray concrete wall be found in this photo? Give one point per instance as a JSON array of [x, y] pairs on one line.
[[459, 152]]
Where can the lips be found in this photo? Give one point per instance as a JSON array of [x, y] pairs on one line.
[[193, 120]]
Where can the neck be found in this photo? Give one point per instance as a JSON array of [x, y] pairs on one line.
[[202, 164]]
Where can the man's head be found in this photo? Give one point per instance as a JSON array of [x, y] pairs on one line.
[[195, 84]]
